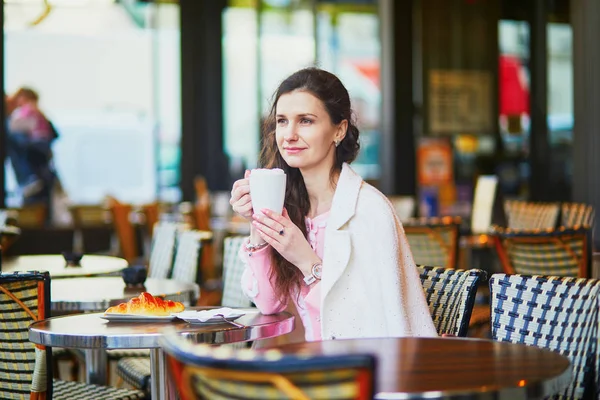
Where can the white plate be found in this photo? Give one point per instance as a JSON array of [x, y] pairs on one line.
[[137, 318], [188, 316]]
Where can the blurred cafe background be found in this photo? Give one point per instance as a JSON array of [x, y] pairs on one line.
[[479, 119], [157, 107]]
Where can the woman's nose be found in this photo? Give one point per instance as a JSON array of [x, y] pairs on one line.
[[291, 133]]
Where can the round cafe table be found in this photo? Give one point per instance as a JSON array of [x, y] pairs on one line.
[[90, 332], [57, 266], [446, 368], [99, 293]]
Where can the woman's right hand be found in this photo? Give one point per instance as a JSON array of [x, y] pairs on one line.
[[240, 197]]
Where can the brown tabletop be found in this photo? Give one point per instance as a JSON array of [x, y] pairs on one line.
[[99, 293], [452, 367], [56, 265]]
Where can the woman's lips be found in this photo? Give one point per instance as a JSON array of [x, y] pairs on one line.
[[293, 150]]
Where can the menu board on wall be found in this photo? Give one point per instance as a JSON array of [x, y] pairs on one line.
[[460, 101]]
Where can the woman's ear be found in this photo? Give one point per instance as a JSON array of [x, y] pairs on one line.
[[342, 128]]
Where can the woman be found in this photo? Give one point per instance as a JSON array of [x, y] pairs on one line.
[[338, 251]]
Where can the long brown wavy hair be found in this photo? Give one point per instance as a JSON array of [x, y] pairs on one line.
[[329, 89]]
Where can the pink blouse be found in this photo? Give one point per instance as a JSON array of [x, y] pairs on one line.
[[257, 286]]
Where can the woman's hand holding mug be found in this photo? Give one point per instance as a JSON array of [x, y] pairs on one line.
[[284, 236], [240, 200]]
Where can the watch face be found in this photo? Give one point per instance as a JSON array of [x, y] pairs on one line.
[[317, 270]]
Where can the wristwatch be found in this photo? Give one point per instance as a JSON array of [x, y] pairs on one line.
[[315, 274]]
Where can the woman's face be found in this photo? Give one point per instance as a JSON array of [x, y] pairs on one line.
[[305, 133]]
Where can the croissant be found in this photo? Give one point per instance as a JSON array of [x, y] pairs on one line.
[[146, 304]]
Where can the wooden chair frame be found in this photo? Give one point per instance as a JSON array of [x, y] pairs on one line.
[[432, 227], [503, 239]]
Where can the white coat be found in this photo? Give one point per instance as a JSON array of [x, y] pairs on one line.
[[370, 285]]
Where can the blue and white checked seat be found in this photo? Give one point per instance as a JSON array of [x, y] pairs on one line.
[[450, 295], [556, 313]]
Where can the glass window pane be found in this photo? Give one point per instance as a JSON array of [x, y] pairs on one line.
[[108, 79]]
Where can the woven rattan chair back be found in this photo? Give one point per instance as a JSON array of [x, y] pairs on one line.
[[450, 295], [577, 214], [25, 298], [206, 372], [433, 241], [556, 313], [558, 252], [529, 215]]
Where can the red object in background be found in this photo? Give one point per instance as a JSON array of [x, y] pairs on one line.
[[514, 90], [369, 69]]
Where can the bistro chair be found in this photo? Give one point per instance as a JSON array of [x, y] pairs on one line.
[[205, 372], [188, 255], [135, 370], [529, 215], [26, 368], [8, 232], [162, 252], [433, 241], [29, 216], [576, 214], [558, 252], [121, 217], [556, 313], [450, 295], [93, 228], [233, 269]]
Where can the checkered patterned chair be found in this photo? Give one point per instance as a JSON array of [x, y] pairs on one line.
[[576, 214], [25, 368], [450, 295], [162, 252], [233, 268], [529, 215], [556, 313], [558, 252], [206, 372], [188, 255], [433, 241]]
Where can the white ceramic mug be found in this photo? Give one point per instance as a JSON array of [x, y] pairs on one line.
[[267, 189]]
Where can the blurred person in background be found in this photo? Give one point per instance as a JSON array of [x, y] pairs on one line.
[[29, 139]]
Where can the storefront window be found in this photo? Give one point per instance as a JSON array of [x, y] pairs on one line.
[[560, 109], [107, 75], [272, 39]]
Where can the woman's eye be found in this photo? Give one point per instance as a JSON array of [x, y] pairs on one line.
[[281, 121], [305, 121]]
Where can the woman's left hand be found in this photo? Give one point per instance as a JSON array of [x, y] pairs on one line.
[[285, 237]]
